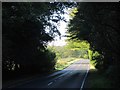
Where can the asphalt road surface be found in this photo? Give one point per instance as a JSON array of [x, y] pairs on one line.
[[72, 77]]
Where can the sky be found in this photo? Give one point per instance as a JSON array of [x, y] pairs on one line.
[[62, 28]]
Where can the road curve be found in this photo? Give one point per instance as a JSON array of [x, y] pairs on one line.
[[72, 77]]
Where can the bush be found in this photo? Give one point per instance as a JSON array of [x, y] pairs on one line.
[[50, 57], [85, 56]]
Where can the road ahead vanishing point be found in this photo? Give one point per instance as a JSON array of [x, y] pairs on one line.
[[72, 77]]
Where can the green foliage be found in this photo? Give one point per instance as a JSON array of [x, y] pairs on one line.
[[73, 51], [90, 52], [64, 62], [92, 23], [59, 50], [27, 28], [98, 24], [50, 58], [76, 44], [98, 58], [85, 56], [73, 11], [79, 48]]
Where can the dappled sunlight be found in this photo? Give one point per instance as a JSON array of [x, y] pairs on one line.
[[92, 67], [65, 62], [78, 65], [61, 43]]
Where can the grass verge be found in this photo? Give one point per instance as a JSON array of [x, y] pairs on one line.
[[97, 79], [65, 62]]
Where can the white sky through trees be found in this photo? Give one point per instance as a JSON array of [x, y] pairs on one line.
[[62, 28]]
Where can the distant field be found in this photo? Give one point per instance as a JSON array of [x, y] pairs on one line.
[[65, 62]]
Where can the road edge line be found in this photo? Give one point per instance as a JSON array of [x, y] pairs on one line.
[[84, 78]]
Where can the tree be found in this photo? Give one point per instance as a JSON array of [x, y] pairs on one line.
[[27, 27], [98, 23]]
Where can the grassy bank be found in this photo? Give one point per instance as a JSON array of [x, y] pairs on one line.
[[97, 79], [65, 62]]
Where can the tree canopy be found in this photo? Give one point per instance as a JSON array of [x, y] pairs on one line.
[[27, 27], [98, 23]]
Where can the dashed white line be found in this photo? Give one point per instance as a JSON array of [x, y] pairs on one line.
[[50, 83]]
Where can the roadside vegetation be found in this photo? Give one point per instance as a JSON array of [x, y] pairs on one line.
[[68, 54], [27, 28], [93, 32], [96, 79], [65, 62], [97, 23]]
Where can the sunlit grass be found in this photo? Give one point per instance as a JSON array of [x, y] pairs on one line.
[[65, 62], [92, 65]]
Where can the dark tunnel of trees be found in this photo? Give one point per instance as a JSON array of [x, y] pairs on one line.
[[98, 23], [24, 35]]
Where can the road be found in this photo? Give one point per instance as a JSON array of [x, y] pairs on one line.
[[71, 77]]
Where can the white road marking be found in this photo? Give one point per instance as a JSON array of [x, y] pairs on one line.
[[84, 79], [50, 83]]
